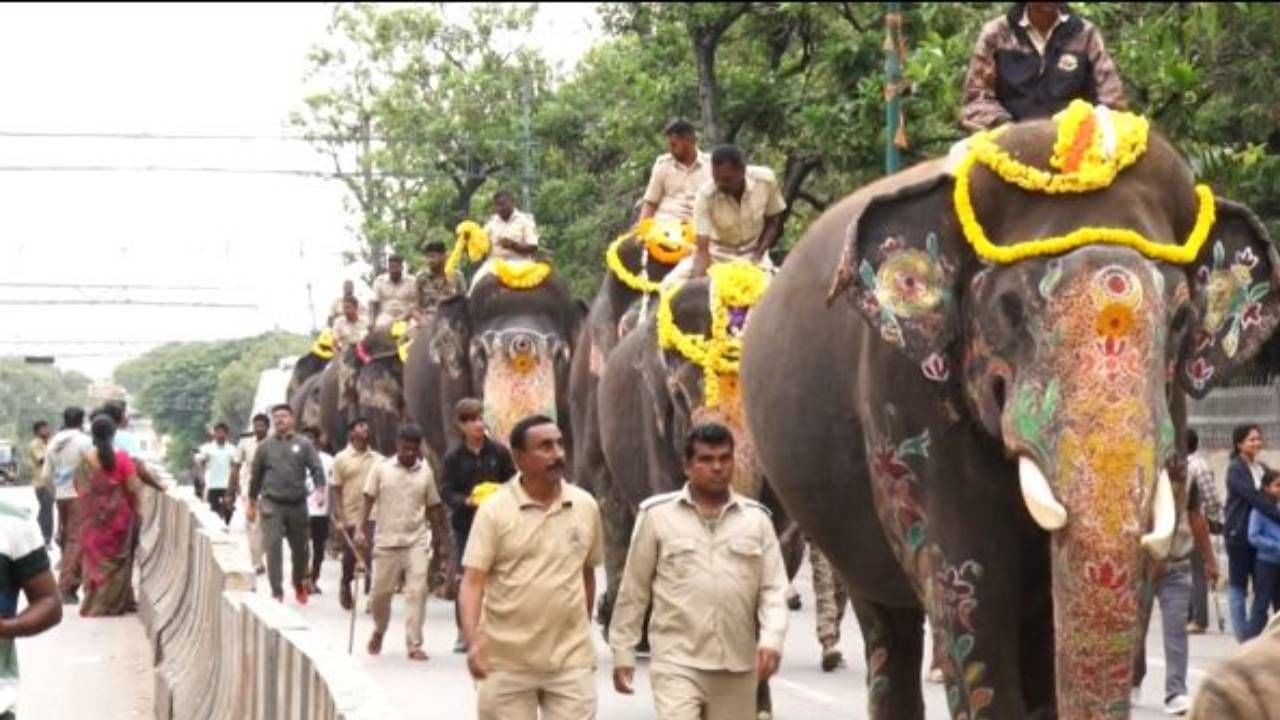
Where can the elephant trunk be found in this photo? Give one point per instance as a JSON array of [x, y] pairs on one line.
[[515, 388]]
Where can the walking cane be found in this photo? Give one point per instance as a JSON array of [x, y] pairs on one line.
[[355, 604]]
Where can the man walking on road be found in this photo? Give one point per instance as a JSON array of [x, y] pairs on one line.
[[829, 600], [351, 468], [214, 459], [529, 587], [243, 459], [24, 566], [708, 561], [475, 461], [40, 433], [61, 465], [405, 491], [279, 479]]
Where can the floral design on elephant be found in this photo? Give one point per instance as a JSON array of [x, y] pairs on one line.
[[899, 496], [952, 602], [909, 286], [1234, 299]]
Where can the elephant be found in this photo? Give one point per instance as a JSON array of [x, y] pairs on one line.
[[978, 423], [618, 305], [648, 400], [307, 366], [509, 347]]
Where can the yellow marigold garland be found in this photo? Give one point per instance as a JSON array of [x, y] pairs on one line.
[[654, 234], [1092, 172], [469, 238], [521, 274], [737, 284], [484, 491], [656, 244]]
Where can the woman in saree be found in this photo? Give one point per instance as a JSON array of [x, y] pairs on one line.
[[110, 503]]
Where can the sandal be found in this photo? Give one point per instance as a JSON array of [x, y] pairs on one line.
[[417, 654], [375, 643]]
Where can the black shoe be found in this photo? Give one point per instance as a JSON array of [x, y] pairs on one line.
[[459, 646], [793, 602], [831, 659], [71, 598]]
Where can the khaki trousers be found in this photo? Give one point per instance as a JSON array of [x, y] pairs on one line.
[[684, 693], [565, 695], [388, 563]]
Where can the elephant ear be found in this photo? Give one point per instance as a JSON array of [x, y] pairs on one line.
[[1235, 285], [902, 255]]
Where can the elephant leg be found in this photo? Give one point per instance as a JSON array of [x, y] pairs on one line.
[[617, 519], [894, 640], [1037, 645]]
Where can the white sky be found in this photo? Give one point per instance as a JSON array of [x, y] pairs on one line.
[[180, 69]]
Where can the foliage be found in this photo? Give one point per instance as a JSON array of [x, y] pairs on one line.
[[187, 387], [36, 392], [798, 85]]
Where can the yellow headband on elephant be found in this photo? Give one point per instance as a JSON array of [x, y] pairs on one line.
[[1093, 146]]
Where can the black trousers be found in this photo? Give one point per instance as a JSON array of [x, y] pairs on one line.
[[282, 522], [216, 499], [319, 536], [1199, 591], [45, 516]]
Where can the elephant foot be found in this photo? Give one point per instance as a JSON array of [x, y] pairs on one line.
[[604, 612]]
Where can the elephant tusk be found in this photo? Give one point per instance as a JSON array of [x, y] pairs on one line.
[[1163, 517], [1043, 506]]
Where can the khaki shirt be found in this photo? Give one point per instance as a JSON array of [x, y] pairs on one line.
[[35, 455], [243, 459], [713, 593], [349, 333], [434, 289], [673, 187], [520, 229], [403, 496], [350, 470], [535, 614], [736, 225], [395, 300]]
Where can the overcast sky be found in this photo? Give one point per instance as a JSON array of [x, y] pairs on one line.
[[258, 240]]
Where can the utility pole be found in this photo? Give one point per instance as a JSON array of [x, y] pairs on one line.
[[311, 300], [895, 137], [526, 102]]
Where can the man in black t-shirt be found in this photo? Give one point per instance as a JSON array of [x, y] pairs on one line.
[[477, 460]]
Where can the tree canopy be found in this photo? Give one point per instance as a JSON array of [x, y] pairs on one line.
[[36, 392], [185, 388], [425, 114]]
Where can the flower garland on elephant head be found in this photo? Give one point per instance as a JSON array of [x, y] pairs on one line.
[[521, 274], [1093, 146], [734, 288], [656, 235], [471, 239]]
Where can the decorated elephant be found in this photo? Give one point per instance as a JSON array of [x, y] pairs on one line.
[[674, 370], [980, 418], [312, 363], [635, 263], [508, 342]]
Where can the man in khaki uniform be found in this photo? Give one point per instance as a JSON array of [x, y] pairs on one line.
[[708, 561], [349, 328], [737, 216], [243, 459], [335, 310], [513, 235], [351, 468], [434, 283], [405, 490], [40, 434], [676, 175], [528, 587], [394, 295]]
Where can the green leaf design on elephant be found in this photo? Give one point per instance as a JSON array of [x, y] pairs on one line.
[[918, 446], [1033, 412], [915, 536], [879, 686], [961, 647], [1052, 275]]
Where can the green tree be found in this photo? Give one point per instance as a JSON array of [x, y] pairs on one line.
[[36, 392]]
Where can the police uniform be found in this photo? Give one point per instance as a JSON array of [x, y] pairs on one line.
[[829, 598], [718, 590]]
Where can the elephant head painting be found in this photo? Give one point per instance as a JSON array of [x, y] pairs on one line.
[[982, 422], [508, 346]]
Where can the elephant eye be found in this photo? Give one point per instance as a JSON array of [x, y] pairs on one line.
[[1011, 310]]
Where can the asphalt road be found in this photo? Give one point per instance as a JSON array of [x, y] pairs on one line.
[[441, 687]]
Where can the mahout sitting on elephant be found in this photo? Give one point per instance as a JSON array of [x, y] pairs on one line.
[[984, 424]]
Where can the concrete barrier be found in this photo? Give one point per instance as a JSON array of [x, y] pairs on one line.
[[221, 650]]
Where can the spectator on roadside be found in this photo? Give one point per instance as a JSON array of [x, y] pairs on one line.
[[351, 468], [125, 440], [318, 509], [110, 505], [1170, 583], [1264, 536], [279, 483], [61, 467], [1200, 474], [477, 460], [214, 459], [529, 587], [1032, 62], [1244, 475], [40, 434], [243, 459], [24, 566], [718, 549], [404, 490]]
